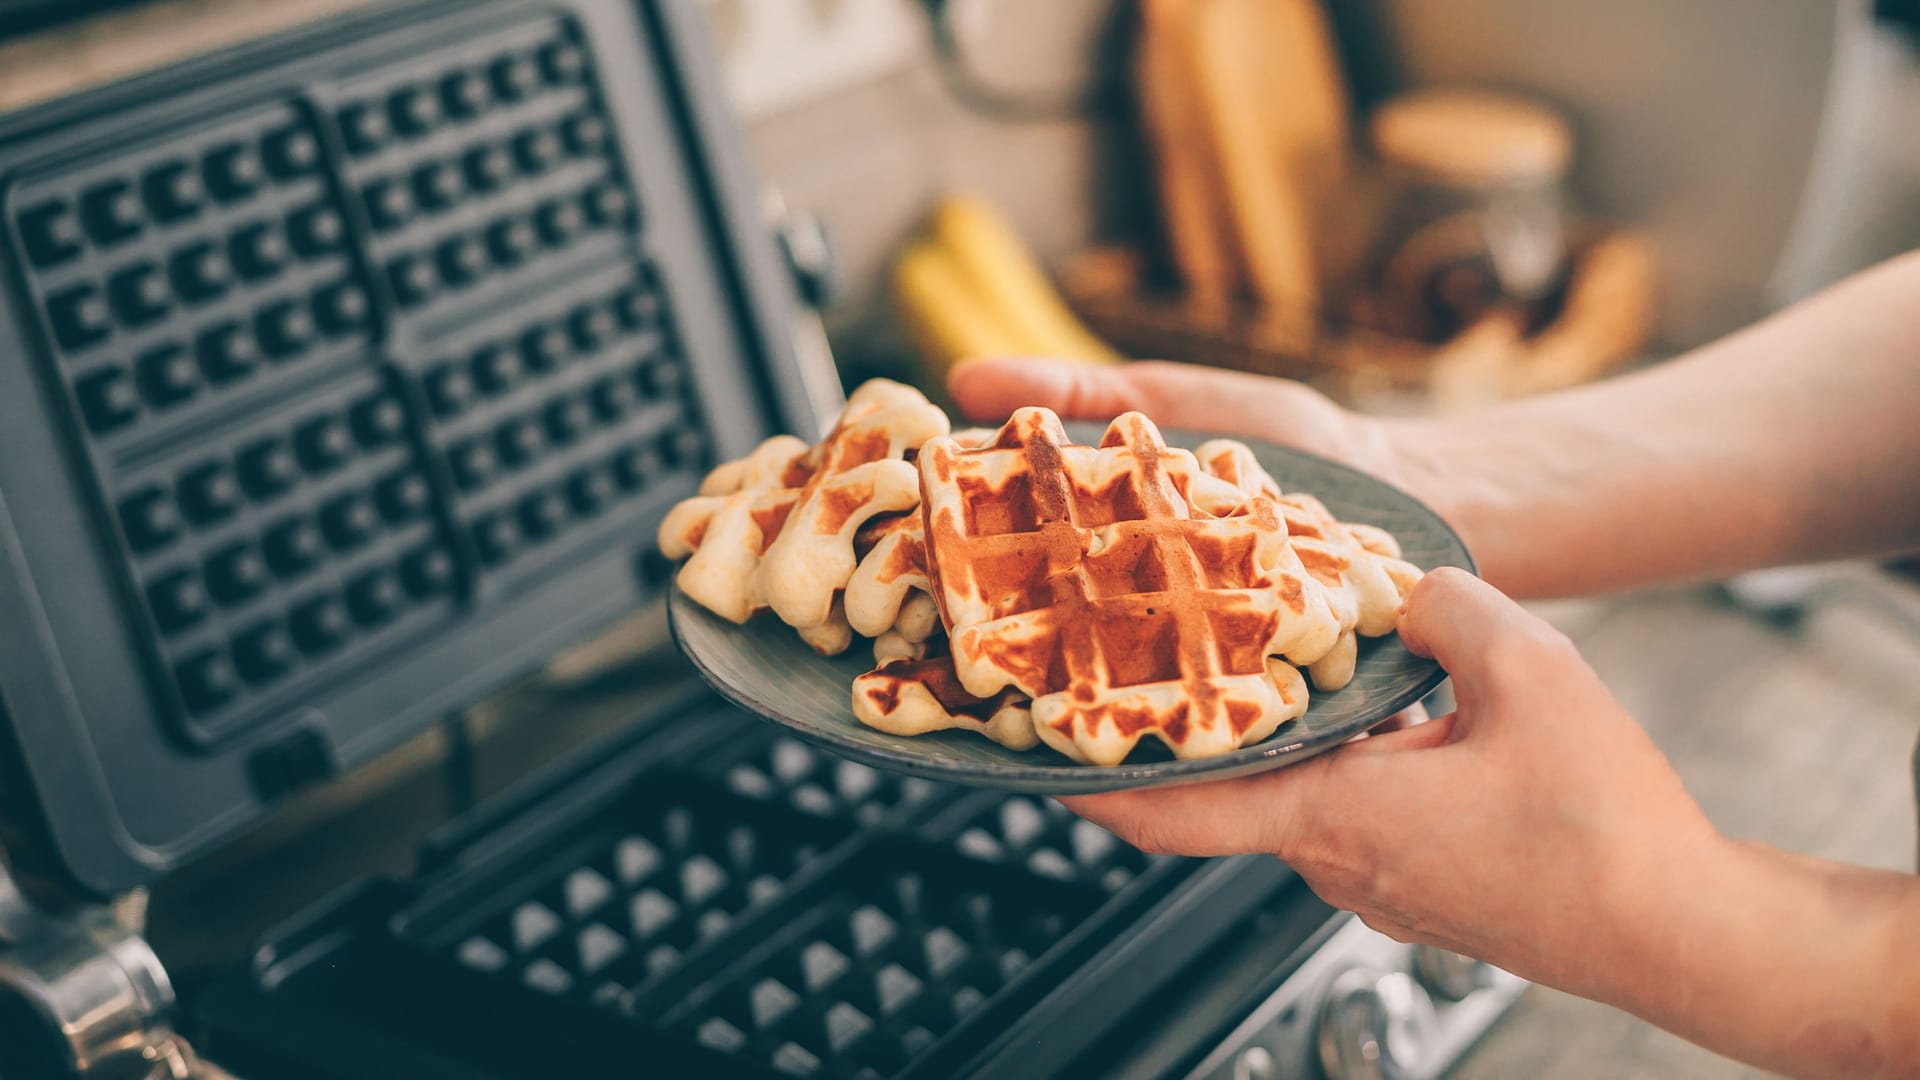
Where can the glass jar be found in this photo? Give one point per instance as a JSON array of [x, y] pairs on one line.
[[1474, 225]]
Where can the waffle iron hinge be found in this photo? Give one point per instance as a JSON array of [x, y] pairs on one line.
[[95, 1000], [807, 251]]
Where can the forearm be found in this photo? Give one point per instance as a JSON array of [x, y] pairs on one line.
[[1793, 441], [1797, 965]]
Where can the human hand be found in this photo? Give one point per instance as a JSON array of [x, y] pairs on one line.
[[1511, 489], [1200, 399], [1536, 828]]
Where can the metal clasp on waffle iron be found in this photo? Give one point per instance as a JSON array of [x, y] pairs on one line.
[[99, 995], [808, 253]]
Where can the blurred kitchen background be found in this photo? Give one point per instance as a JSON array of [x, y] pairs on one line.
[[1755, 146], [1474, 199], [1752, 151]]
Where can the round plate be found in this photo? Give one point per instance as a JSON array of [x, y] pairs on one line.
[[765, 668]]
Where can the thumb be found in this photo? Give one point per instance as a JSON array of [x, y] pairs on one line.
[[993, 389], [1175, 395], [1492, 647]]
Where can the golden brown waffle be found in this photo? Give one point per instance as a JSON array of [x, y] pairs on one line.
[[1131, 589], [892, 570], [913, 689], [1358, 567], [1113, 586], [776, 529], [918, 696], [741, 506], [889, 597]]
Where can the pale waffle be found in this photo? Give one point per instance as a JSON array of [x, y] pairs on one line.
[[776, 529], [1357, 566], [913, 689], [889, 597], [1114, 586], [916, 696]]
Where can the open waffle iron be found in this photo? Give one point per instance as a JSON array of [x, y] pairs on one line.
[[344, 377]]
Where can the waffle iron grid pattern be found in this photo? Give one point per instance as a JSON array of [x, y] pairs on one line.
[[177, 279], [302, 539], [905, 949], [785, 770], [1045, 839], [547, 423], [691, 912], [231, 314], [621, 911]]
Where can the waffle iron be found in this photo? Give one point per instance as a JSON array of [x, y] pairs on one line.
[[347, 375]]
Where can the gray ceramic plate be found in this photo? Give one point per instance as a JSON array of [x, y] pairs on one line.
[[764, 668]]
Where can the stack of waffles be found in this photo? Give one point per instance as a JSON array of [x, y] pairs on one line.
[[1033, 590]]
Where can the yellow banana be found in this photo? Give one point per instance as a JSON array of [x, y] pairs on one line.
[[943, 312], [1005, 275]]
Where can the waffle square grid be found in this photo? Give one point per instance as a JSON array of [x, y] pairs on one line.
[[1091, 580], [611, 916]]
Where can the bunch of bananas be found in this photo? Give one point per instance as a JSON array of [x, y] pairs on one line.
[[970, 288]]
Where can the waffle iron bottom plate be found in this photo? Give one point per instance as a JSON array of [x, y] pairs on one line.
[[745, 907]]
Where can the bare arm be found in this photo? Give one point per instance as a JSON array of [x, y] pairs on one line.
[[1793, 441], [1539, 829], [1800, 965]]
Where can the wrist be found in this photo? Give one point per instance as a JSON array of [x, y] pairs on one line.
[[1786, 962], [1641, 924], [1672, 891]]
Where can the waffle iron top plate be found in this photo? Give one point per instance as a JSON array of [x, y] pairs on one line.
[[343, 376], [766, 669]]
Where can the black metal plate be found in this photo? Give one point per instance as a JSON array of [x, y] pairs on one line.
[[660, 909], [343, 377]]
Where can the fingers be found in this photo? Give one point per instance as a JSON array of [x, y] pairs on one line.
[[1236, 403], [1422, 736], [1283, 812], [1488, 643], [992, 389], [1254, 814], [1415, 713], [1174, 395]]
